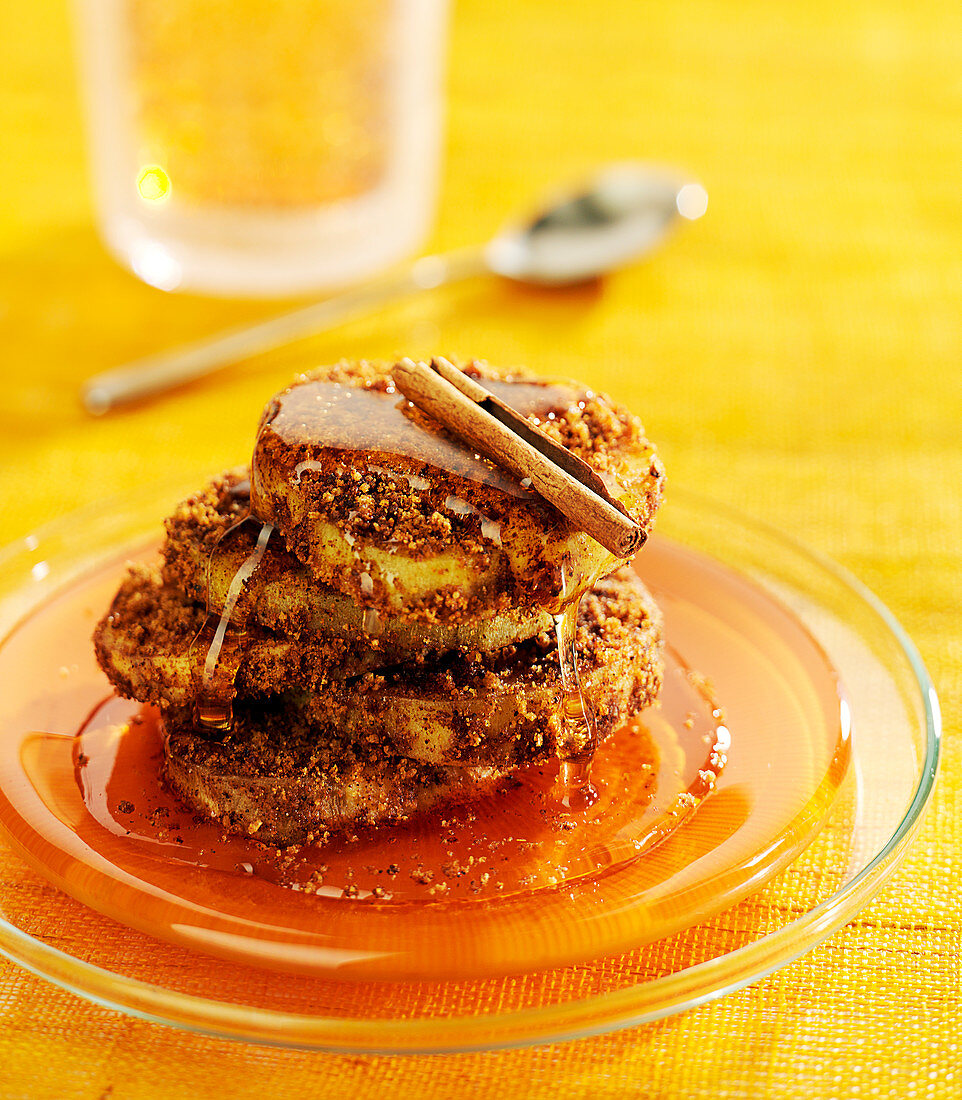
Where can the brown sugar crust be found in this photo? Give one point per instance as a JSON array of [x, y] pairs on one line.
[[503, 709], [272, 778], [143, 645], [389, 509], [201, 559]]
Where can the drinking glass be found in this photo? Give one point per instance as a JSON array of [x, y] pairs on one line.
[[262, 147]]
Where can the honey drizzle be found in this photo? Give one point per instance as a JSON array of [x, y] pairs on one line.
[[575, 711], [319, 425], [224, 637]]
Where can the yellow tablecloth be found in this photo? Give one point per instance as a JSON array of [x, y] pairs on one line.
[[796, 353]]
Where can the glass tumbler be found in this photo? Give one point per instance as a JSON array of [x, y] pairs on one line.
[[262, 147]]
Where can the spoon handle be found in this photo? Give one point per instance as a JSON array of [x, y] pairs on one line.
[[158, 373]]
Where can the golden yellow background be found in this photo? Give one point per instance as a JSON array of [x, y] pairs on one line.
[[797, 353]]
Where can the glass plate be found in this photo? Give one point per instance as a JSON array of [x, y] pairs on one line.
[[710, 940]]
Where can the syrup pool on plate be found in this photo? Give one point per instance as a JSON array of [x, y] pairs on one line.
[[80, 799]]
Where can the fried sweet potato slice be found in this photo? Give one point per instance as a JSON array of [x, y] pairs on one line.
[[383, 505]]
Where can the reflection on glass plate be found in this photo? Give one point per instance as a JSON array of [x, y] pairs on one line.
[[634, 911]]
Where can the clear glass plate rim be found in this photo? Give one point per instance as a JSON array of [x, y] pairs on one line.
[[618, 1009]]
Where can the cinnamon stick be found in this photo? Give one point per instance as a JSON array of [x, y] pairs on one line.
[[472, 413]]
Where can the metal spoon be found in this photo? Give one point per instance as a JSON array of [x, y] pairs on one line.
[[620, 214]]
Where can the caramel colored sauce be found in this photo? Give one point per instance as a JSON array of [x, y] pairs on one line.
[[351, 426], [509, 841], [82, 799], [363, 422]]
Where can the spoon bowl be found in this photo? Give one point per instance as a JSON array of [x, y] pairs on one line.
[[620, 215]]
